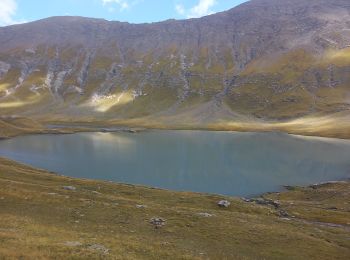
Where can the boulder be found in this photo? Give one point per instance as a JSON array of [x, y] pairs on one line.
[[283, 214], [205, 214], [246, 200], [262, 201], [157, 222], [98, 247], [73, 243], [71, 188], [224, 203]]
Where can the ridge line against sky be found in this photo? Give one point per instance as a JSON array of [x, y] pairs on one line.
[[133, 11]]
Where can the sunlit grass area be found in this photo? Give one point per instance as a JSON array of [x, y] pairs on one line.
[[106, 102], [4, 86], [337, 57]]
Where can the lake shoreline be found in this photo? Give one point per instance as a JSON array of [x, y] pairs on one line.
[[69, 215], [13, 126], [291, 140], [68, 129], [255, 129], [284, 188]]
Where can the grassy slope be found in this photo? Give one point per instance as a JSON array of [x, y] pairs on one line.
[[336, 125], [12, 127], [38, 217]]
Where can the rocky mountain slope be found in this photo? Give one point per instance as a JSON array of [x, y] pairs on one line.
[[263, 61]]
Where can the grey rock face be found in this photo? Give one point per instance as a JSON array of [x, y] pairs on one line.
[[4, 68], [260, 26], [84, 70], [59, 81]]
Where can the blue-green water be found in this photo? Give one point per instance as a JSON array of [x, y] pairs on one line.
[[242, 164]]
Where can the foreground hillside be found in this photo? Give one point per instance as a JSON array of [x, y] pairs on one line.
[[39, 219], [261, 64]]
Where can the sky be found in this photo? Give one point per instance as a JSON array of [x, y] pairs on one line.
[[133, 11]]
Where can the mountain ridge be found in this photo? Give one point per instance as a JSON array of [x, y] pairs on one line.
[[260, 61]]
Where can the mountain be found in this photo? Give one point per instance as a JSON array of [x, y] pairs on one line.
[[263, 62]]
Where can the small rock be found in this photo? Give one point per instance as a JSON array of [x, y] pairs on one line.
[[283, 214], [52, 193], [85, 200], [157, 222], [141, 206], [287, 219], [287, 187], [224, 203], [261, 201], [96, 192], [72, 243], [276, 203], [332, 208], [71, 188], [98, 247], [246, 200], [323, 184], [204, 214], [132, 131]]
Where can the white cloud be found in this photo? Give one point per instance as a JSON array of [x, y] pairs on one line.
[[180, 9], [202, 8], [123, 4], [7, 11]]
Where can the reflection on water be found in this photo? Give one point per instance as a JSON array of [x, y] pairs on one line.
[[241, 164]]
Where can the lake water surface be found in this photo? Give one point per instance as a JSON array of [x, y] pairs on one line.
[[241, 164]]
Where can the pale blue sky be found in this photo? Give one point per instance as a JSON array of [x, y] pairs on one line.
[[133, 11]]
